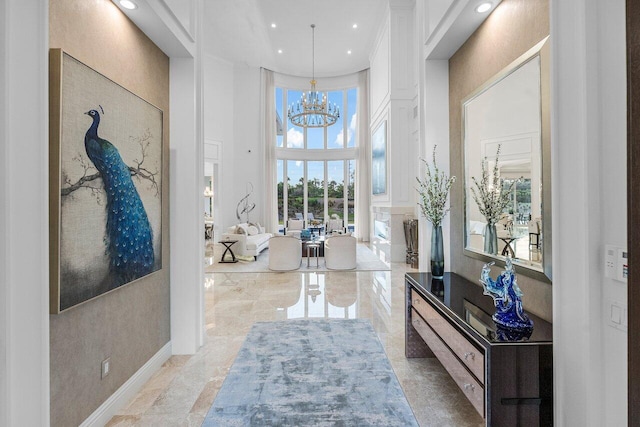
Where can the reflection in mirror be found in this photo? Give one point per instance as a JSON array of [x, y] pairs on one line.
[[503, 129]]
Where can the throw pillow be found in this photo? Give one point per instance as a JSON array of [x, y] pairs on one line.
[[252, 230], [241, 229]]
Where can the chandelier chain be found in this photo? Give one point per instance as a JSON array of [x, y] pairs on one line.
[[313, 110]]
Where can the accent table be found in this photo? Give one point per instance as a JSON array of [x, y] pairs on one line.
[[509, 382], [312, 250], [227, 244]]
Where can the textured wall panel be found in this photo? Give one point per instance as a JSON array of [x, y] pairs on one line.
[[131, 323], [512, 29]]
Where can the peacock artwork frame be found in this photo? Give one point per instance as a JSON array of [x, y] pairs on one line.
[[105, 186]]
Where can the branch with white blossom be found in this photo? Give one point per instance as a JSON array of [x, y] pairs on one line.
[[433, 191]]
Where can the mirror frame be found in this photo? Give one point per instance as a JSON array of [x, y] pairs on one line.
[[541, 49]]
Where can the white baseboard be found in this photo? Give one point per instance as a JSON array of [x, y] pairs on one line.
[[128, 390]]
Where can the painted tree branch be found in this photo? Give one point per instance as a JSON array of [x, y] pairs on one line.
[[139, 171]]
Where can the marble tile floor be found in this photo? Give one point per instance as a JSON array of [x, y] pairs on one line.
[[182, 391]]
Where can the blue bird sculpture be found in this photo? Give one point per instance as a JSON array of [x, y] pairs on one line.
[[128, 233]]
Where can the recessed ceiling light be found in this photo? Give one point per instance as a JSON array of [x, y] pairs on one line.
[[355, 26], [279, 50], [348, 52], [273, 25], [483, 7], [128, 4]]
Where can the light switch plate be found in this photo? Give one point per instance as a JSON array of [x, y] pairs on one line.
[[610, 253], [617, 315]]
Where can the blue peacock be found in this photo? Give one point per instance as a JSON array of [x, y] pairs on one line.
[[129, 236]]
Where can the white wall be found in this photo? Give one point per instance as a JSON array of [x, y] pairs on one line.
[[613, 207], [435, 104], [248, 145], [589, 208], [186, 209], [393, 94], [219, 101], [232, 116], [24, 227]]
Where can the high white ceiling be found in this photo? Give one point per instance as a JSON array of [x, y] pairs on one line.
[[240, 31]]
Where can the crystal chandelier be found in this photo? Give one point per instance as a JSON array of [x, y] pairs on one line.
[[312, 110]]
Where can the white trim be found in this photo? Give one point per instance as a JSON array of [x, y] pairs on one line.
[[128, 390], [24, 220]]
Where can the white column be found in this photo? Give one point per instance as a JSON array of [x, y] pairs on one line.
[[24, 213], [436, 132], [186, 208], [577, 271]]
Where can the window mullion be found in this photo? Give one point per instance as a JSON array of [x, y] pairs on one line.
[[285, 193], [345, 193], [325, 212], [305, 192], [285, 118]]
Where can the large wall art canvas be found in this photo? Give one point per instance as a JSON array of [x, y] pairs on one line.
[[105, 184], [379, 160]]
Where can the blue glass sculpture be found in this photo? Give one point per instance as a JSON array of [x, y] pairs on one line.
[[510, 318]]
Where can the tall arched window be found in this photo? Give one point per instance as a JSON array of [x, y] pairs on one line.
[[316, 167]]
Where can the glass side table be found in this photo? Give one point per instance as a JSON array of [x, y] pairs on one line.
[[313, 248]]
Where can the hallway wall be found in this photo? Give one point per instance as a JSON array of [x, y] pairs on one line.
[[131, 323], [512, 29]]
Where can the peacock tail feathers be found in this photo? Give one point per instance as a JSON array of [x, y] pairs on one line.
[[128, 233]]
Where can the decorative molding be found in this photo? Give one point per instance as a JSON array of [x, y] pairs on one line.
[[128, 390], [454, 28], [188, 32], [379, 65]]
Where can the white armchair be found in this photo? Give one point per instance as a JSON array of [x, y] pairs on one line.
[[336, 225], [340, 252], [294, 227], [285, 253]]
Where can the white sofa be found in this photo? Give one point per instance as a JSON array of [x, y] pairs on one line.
[[250, 239]]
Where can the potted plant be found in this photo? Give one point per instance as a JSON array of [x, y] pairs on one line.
[[433, 191], [491, 196]]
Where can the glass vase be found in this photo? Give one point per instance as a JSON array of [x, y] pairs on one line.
[[437, 253], [490, 239]]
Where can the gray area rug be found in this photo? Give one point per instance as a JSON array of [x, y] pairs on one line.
[[311, 373], [366, 260]]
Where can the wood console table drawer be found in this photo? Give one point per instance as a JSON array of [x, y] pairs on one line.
[[467, 383], [470, 355], [508, 380]]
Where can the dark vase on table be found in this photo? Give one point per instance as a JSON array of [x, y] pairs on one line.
[[437, 253], [490, 239]]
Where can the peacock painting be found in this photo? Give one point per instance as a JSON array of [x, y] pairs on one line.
[[128, 233], [108, 195]]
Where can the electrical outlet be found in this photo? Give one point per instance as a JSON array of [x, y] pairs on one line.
[[106, 367]]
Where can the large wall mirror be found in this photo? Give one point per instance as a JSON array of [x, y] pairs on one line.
[[506, 165]]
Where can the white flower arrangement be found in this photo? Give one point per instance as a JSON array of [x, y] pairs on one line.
[[433, 191], [490, 194]]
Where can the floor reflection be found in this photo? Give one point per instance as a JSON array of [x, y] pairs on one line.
[[184, 389]]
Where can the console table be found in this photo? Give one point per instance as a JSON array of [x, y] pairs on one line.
[[509, 383]]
